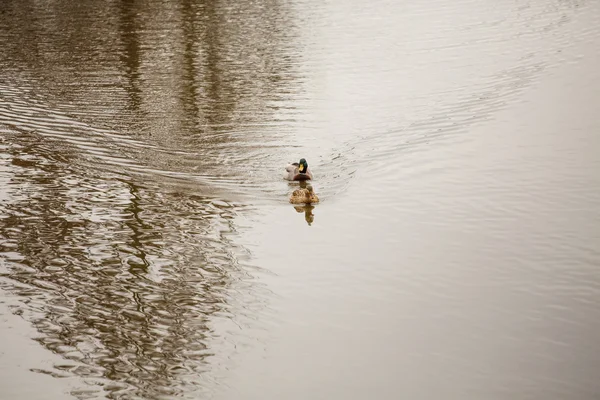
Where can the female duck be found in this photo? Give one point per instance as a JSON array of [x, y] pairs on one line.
[[304, 196], [298, 171]]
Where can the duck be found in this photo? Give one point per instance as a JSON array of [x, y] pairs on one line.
[[304, 196], [298, 171]]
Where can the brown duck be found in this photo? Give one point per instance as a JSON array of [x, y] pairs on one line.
[[304, 196]]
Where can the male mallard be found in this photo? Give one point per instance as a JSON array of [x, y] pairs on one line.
[[304, 196], [298, 171]]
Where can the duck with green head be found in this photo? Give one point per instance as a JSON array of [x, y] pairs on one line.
[[298, 171]]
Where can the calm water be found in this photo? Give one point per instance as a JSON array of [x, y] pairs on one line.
[[148, 251]]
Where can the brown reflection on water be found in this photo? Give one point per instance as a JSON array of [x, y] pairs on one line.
[[129, 28], [307, 209], [119, 280], [193, 78]]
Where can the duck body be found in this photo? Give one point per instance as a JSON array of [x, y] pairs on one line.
[[298, 171], [304, 196]]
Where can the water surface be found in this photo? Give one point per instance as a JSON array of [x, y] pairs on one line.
[[147, 249]]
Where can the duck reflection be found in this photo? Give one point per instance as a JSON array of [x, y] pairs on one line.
[[307, 209], [308, 214]]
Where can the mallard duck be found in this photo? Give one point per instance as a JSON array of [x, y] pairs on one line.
[[298, 171], [304, 196]]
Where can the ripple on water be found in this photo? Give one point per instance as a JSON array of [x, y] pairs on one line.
[[135, 140], [119, 279]]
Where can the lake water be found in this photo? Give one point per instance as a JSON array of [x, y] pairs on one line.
[[148, 249]]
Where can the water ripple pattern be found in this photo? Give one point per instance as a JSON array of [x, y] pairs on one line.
[[145, 230]]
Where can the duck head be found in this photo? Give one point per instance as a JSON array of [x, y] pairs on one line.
[[302, 166]]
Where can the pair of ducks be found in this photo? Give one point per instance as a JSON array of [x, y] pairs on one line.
[[299, 172]]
